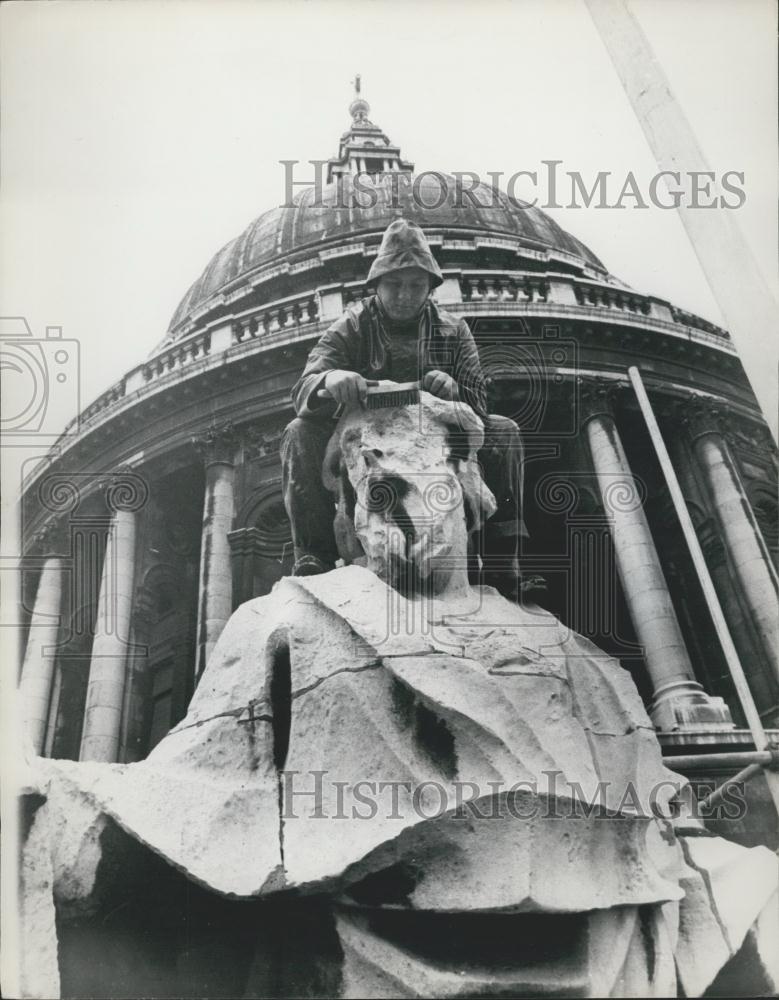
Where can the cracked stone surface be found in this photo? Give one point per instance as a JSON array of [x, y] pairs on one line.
[[449, 757], [210, 790], [37, 936], [730, 892]]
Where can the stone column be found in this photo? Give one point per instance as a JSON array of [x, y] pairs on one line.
[[40, 655], [125, 495], [215, 589], [746, 550], [679, 701]]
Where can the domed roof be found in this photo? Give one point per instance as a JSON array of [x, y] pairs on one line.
[[345, 210]]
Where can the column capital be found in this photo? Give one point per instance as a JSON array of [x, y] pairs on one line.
[[216, 444], [51, 539], [702, 415], [124, 490], [598, 396]]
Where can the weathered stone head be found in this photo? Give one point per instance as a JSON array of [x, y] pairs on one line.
[[410, 492]]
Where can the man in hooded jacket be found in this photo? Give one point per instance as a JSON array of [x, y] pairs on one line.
[[399, 334]]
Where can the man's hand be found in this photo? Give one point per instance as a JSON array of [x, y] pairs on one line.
[[440, 384], [346, 388]]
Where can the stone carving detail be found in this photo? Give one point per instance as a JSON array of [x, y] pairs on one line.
[[217, 443], [598, 396], [259, 443], [408, 494], [417, 752], [51, 539], [704, 416]]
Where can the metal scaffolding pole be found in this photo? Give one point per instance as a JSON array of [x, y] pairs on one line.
[[712, 601], [749, 307]]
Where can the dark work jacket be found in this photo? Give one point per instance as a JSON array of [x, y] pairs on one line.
[[361, 341]]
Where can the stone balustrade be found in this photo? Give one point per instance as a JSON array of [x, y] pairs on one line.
[[465, 292], [180, 354], [611, 298], [106, 399], [281, 315], [502, 287], [690, 319]]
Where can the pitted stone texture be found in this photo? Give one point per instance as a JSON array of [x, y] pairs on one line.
[[76, 849], [338, 683], [218, 822], [630, 953], [411, 493], [406, 710], [730, 891], [36, 926], [382, 966], [625, 952], [519, 670], [523, 853], [762, 936]]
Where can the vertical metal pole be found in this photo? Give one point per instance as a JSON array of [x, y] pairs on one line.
[[749, 307], [712, 601]]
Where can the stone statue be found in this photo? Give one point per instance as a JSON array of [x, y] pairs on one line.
[[469, 797]]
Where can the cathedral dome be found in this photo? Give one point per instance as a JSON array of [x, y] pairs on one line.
[[349, 209]]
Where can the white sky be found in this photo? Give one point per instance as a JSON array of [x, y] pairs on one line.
[[139, 137]]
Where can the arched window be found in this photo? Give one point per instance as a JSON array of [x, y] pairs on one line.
[[162, 684], [261, 545]]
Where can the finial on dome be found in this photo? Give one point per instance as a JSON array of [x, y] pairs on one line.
[[359, 107]]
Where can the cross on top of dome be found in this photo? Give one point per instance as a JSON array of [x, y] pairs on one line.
[[365, 148], [359, 108]]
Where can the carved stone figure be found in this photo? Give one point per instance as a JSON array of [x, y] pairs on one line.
[[469, 795]]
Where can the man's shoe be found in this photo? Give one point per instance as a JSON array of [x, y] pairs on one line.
[[310, 566]]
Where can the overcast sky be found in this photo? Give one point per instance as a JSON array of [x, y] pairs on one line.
[[139, 137]]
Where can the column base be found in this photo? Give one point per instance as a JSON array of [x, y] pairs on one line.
[[684, 705]]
